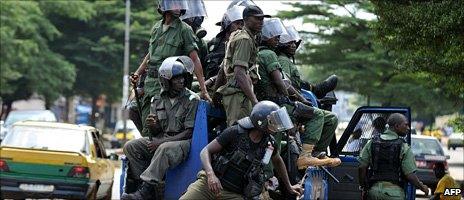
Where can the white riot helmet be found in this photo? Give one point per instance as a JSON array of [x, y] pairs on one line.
[[194, 17], [292, 35], [233, 14], [196, 8], [166, 5], [272, 27], [243, 3], [175, 66]]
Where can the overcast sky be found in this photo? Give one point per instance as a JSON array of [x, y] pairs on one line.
[[216, 9]]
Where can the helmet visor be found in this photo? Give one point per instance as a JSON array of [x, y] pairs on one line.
[[166, 5], [188, 63], [279, 120], [273, 27], [169, 68], [196, 8], [292, 35]]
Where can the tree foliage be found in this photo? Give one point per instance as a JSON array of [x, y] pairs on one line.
[[28, 65], [426, 36], [345, 44], [96, 47]]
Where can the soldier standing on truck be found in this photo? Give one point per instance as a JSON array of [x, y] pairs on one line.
[[171, 123], [169, 37], [231, 21], [239, 67], [390, 161]]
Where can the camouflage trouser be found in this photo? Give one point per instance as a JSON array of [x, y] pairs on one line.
[[199, 190], [151, 167], [320, 129], [386, 191], [237, 106]]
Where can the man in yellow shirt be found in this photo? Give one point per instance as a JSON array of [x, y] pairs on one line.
[[446, 182]]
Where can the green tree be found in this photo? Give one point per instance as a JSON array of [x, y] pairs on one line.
[[426, 36], [28, 65], [96, 47], [345, 44]]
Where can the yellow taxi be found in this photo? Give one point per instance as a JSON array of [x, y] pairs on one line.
[[54, 160]]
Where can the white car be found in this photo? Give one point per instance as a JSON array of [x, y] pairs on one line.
[[456, 140], [118, 135]]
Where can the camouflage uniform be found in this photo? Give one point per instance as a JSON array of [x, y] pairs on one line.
[[241, 51], [177, 40], [174, 117]]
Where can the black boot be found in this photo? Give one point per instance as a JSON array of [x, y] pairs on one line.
[[145, 192], [131, 185], [322, 88]]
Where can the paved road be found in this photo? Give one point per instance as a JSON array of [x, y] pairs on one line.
[[115, 192], [455, 164]]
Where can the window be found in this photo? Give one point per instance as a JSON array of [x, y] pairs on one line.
[[47, 138], [98, 145], [368, 126]]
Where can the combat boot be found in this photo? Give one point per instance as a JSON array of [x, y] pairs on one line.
[[333, 162], [306, 159], [322, 88], [159, 190], [145, 192]]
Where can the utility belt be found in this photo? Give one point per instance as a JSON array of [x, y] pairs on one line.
[[171, 133], [152, 72], [387, 184]]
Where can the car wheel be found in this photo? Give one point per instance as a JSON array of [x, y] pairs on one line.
[[454, 148], [109, 193]]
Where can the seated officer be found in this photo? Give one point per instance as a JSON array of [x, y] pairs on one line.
[[171, 122], [390, 161], [288, 44], [239, 156], [319, 125]]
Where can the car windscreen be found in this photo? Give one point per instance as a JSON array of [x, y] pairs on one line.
[[32, 115], [423, 146], [46, 138]]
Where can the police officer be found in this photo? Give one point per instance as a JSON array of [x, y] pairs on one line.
[[239, 67], [239, 155], [169, 37], [231, 21], [194, 17], [319, 124], [390, 162], [286, 50], [171, 122]]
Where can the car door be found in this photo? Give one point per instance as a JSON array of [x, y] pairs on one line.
[[104, 168], [366, 122]]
